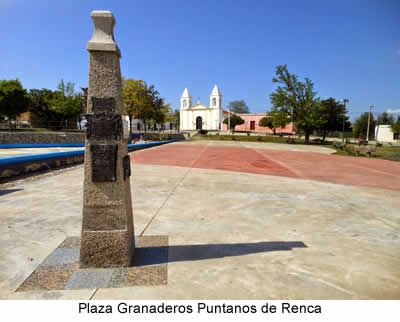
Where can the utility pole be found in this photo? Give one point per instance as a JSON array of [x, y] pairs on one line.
[[229, 119], [344, 101], [369, 119]]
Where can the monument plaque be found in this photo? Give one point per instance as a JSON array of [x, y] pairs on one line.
[[126, 163], [104, 126], [104, 162], [103, 104]]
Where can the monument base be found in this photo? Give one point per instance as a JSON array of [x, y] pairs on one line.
[[106, 249]]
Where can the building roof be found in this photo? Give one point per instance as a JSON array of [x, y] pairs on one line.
[[186, 93], [216, 91]]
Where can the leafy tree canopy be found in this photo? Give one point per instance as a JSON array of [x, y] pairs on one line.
[[14, 99], [238, 107], [39, 105], [396, 126], [65, 101], [385, 119], [234, 120], [361, 124], [297, 100], [334, 113]]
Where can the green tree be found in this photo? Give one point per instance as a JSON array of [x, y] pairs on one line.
[[39, 106], [161, 112], [238, 107], [266, 121], [385, 119], [297, 100], [145, 111], [334, 113], [234, 120], [134, 95], [66, 102], [396, 126], [14, 99], [176, 119], [361, 124]]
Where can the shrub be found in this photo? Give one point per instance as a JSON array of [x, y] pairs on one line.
[[203, 132], [248, 133], [259, 138], [165, 136], [233, 138]]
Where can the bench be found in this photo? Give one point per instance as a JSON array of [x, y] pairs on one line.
[[339, 145], [365, 149]]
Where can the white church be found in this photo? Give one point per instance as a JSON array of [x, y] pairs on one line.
[[199, 116]]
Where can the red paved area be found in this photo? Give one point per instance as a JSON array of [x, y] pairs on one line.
[[305, 165]]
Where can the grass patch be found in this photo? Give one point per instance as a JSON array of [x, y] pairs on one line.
[[260, 138], [385, 152], [391, 153]]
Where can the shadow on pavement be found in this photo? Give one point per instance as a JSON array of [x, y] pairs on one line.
[[160, 255], [7, 191]]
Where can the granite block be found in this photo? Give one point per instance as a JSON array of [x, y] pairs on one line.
[[106, 249], [118, 278], [104, 217], [46, 280], [61, 258], [89, 278]]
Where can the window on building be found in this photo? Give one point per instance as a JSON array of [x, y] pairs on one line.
[[184, 103], [170, 126], [138, 126], [396, 136], [214, 102]]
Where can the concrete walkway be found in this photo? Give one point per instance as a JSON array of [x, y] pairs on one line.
[[232, 235]]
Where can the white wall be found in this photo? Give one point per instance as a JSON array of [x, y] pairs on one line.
[[384, 133]]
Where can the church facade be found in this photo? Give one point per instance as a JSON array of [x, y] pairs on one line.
[[203, 117], [200, 116]]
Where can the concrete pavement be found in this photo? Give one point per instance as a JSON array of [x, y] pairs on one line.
[[232, 235]]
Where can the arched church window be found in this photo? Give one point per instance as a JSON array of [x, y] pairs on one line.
[[214, 102], [184, 103]]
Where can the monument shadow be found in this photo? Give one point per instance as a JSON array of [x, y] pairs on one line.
[[179, 253]]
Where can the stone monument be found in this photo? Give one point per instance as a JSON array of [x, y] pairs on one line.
[[107, 238]]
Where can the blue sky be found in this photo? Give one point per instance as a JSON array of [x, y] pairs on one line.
[[349, 49]]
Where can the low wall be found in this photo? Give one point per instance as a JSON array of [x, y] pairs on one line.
[[58, 137], [15, 166], [41, 137]]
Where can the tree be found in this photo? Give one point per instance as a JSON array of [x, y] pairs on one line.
[[65, 101], [385, 119], [161, 112], [39, 105], [297, 101], [14, 99], [396, 126], [134, 93], [238, 107], [334, 113], [176, 119], [361, 124], [266, 121], [234, 120]]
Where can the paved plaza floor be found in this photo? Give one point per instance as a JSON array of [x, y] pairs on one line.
[[242, 220]]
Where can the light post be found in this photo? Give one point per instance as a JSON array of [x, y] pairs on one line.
[[229, 119], [343, 101], [369, 119]]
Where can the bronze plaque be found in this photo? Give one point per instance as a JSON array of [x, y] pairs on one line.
[[104, 127], [104, 162], [103, 105], [126, 162]]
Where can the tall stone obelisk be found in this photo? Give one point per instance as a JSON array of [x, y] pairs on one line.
[[107, 238]]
